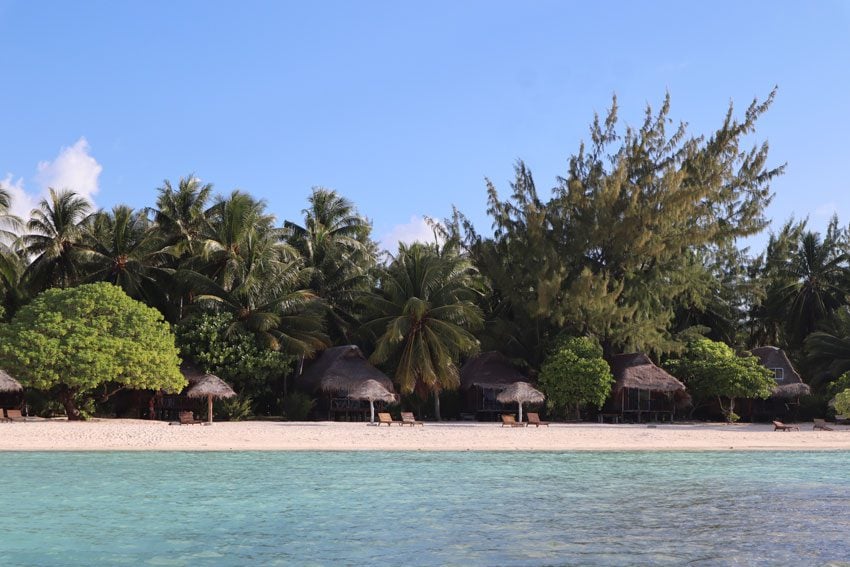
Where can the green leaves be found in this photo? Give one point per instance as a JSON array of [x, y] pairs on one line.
[[88, 336], [575, 375]]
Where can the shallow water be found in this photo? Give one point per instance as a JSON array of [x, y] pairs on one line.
[[289, 508]]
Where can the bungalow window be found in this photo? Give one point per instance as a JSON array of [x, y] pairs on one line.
[[778, 373]]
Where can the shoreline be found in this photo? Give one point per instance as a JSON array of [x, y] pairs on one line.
[[140, 435]]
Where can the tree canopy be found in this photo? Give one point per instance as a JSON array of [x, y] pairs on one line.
[[87, 338], [576, 375]]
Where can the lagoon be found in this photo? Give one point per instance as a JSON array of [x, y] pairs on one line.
[[420, 508]]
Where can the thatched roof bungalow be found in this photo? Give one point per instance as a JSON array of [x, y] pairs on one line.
[[11, 392], [482, 378], [789, 384], [642, 388], [337, 373]]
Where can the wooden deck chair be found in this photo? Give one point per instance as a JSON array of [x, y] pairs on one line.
[[510, 421], [3, 416], [534, 419], [779, 426], [385, 417], [14, 415], [188, 418], [407, 418], [821, 424]]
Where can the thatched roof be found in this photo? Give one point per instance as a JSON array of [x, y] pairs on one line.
[[636, 370], [789, 385], [371, 390], [9, 384], [202, 385], [341, 369], [520, 392], [489, 370]]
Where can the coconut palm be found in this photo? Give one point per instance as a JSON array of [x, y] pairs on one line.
[[54, 241], [817, 283], [334, 241], [424, 311], [124, 250], [179, 213]]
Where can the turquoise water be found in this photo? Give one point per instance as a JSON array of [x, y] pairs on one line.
[[611, 508]]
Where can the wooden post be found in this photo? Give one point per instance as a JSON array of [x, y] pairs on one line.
[[209, 409]]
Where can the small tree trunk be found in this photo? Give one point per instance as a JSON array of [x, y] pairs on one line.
[[437, 406], [66, 397], [578, 412]]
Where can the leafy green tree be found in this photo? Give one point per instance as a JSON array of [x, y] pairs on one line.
[[91, 337], [711, 369], [576, 375], [54, 241], [614, 251], [423, 315], [256, 372]]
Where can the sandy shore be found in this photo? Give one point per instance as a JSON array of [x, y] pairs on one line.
[[134, 435]]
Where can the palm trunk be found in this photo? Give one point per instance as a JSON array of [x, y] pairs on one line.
[[437, 406]]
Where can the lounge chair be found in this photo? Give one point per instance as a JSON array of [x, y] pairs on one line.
[[3, 416], [385, 417], [188, 418], [511, 421], [534, 419], [407, 418], [779, 426], [821, 424], [14, 415]]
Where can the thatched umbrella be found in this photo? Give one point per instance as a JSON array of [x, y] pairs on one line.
[[520, 392], [9, 384], [373, 391], [207, 386]]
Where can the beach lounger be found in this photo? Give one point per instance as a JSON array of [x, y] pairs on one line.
[[3, 416], [14, 415], [534, 419], [510, 421], [821, 424], [779, 426], [384, 417], [407, 418], [188, 418]]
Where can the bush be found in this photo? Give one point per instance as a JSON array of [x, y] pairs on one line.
[[237, 408], [297, 406]]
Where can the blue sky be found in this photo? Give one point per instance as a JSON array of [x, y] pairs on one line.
[[403, 107]]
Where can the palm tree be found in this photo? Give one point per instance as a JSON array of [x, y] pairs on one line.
[[124, 250], [179, 213], [335, 243], [54, 241], [424, 312], [817, 282]]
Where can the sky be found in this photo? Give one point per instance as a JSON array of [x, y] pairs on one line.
[[403, 107]]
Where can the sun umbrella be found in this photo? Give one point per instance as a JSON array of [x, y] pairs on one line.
[[209, 386], [373, 391], [520, 392]]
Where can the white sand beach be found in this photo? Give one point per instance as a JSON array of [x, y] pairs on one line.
[[135, 435]]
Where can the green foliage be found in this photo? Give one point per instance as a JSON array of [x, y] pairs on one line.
[[215, 345], [617, 249], [423, 313], [840, 384], [711, 369], [234, 409], [576, 375], [297, 406], [842, 403], [88, 337]]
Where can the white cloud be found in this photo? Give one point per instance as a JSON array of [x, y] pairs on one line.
[[417, 230], [73, 168]]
